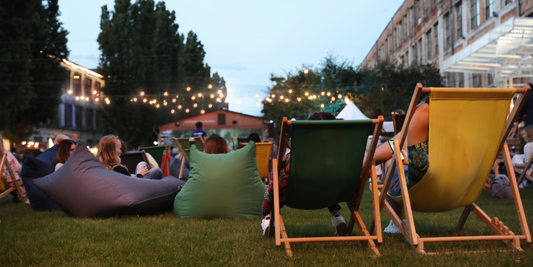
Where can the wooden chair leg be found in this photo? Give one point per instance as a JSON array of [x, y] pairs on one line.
[[464, 216]]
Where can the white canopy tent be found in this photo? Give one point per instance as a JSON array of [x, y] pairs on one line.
[[505, 51], [351, 112]]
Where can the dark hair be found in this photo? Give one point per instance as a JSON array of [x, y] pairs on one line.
[[425, 100], [63, 150], [254, 137], [216, 145], [399, 111], [378, 112], [199, 124], [317, 116], [123, 147]]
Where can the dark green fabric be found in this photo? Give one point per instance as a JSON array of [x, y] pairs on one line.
[[184, 143], [326, 162], [156, 152], [222, 185]]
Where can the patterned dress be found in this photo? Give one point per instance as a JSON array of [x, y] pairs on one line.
[[268, 201]]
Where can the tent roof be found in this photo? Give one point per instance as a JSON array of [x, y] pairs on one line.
[[351, 112], [506, 51]]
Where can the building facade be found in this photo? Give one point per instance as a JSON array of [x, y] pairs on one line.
[[431, 31], [79, 113]]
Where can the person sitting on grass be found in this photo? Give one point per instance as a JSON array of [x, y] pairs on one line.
[[520, 160], [339, 224], [109, 155], [417, 159], [64, 149]]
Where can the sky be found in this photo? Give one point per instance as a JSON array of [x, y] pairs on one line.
[[246, 41]]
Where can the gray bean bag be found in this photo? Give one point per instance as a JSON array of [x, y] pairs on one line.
[[34, 168], [85, 188]]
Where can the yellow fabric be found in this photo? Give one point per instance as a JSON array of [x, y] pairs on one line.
[[262, 156], [465, 128]]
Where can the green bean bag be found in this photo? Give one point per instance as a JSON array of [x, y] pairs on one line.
[[221, 185]]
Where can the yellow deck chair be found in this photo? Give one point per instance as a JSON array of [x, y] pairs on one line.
[[262, 156], [467, 129], [4, 185]]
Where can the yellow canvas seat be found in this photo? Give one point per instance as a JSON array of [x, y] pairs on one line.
[[262, 156], [467, 129]]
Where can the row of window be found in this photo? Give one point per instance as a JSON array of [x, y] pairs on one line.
[[92, 118], [74, 86], [423, 8]]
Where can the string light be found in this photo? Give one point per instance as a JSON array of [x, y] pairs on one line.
[[144, 100], [179, 106], [299, 99], [165, 93], [323, 93], [339, 96], [257, 96], [221, 95], [134, 99], [328, 94], [97, 99], [165, 103], [193, 97], [202, 111], [306, 93], [69, 92], [210, 86], [281, 97], [212, 96], [290, 91], [77, 98], [188, 89], [142, 93], [157, 106], [218, 99], [172, 111], [210, 105], [273, 95], [86, 99], [286, 100], [219, 91], [187, 111], [195, 105], [177, 96], [94, 92], [306, 71], [200, 95], [332, 98], [173, 100], [322, 105]]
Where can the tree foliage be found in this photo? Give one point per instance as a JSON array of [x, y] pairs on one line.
[[142, 51], [31, 78], [387, 87]]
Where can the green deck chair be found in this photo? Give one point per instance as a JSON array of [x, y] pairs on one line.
[[156, 152], [184, 144], [323, 173]]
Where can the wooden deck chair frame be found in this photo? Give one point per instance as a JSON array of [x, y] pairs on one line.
[[185, 157], [396, 121], [523, 172], [407, 227], [276, 221], [17, 185]]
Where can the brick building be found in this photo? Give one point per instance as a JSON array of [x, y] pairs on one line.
[[436, 31]]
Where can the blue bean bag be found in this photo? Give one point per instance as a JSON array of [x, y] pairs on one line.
[[222, 185], [85, 188], [33, 168]]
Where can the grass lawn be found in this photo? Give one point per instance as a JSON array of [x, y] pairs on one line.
[[54, 239]]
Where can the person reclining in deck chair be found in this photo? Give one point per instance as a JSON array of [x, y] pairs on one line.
[[417, 158], [520, 160], [109, 155], [339, 224]]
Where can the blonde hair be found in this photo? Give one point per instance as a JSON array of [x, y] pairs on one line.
[[529, 133], [107, 151]]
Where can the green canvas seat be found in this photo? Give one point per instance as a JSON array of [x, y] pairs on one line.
[[325, 168], [156, 152]]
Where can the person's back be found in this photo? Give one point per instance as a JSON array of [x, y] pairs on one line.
[[199, 131]]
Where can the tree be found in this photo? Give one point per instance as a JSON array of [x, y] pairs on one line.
[[389, 86], [142, 52], [31, 77]]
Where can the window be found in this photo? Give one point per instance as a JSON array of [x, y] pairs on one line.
[[459, 21], [221, 119], [436, 39], [418, 11], [476, 79], [449, 79], [77, 84], [428, 46], [98, 119], [66, 86], [419, 52], [490, 79], [447, 31], [68, 115], [89, 119], [460, 80], [88, 87], [489, 8], [78, 121], [474, 14], [508, 2], [427, 7]]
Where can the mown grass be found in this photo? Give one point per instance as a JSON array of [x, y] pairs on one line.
[[54, 239]]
